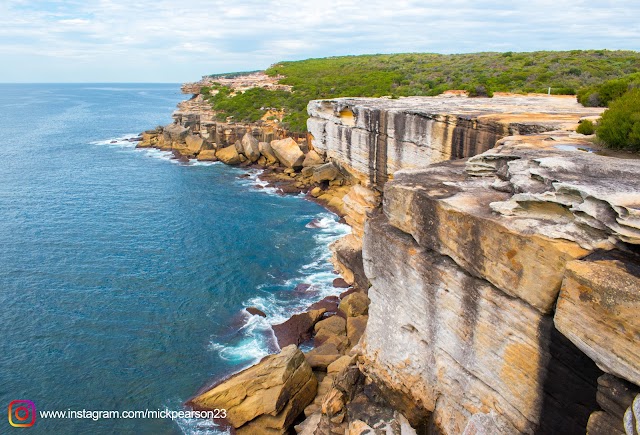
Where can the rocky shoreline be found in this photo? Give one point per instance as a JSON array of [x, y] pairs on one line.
[[485, 235]]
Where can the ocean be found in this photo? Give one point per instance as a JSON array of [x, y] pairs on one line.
[[124, 274]]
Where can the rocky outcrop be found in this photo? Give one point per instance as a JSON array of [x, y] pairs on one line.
[[265, 398], [598, 310], [376, 137], [467, 262]]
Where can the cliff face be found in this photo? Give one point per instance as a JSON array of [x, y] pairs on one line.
[[376, 137], [503, 286]]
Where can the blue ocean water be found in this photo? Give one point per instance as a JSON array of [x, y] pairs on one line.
[[124, 274]]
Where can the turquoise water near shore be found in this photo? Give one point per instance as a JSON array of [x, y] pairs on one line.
[[123, 273]]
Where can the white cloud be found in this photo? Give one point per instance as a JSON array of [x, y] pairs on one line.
[[162, 40]]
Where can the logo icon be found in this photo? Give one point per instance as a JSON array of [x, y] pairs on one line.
[[22, 413]]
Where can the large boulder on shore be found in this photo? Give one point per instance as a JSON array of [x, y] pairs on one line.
[[207, 156], [326, 172], [265, 398], [312, 159], [288, 152], [267, 152], [175, 133], [250, 147], [229, 155], [194, 143], [298, 328]]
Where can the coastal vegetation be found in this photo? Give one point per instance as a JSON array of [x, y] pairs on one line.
[[395, 75], [619, 127]]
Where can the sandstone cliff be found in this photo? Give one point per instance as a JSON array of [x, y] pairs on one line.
[[494, 261], [502, 286]]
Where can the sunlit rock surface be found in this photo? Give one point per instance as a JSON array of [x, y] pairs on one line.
[[375, 137]]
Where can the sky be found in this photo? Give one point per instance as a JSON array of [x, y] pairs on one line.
[[177, 41]]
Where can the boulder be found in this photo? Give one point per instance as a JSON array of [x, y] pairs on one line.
[[330, 303], [340, 283], [229, 155], [598, 311], [175, 133], [341, 363], [328, 328], [355, 328], [194, 143], [298, 328], [265, 398], [614, 396], [312, 159], [288, 152], [251, 148], [267, 152], [256, 311], [320, 357], [355, 304], [334, 324], [207, 156], [326, 172]]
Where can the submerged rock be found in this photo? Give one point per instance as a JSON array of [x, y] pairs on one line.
[[256, 311], [297, 328]]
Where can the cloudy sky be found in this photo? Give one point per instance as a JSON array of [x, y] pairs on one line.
[[177, 41]]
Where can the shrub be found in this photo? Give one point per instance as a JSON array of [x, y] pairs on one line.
[[479, 91], [586, 127], [604, 93], [619, 127]]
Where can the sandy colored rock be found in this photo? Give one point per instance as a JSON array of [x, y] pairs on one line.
[[267, 152], [175, 133], [325, 172], [194, 143], [433, 327], [334, 324], [376, 137], [341, 363], [229, 155], [355, 304], [315, 192], [269, 394], [598, 310], [207, 156], [250, 147], [312, 158], [355, 328], [333, 402], [320, 357], [534, 247], [288, 152]]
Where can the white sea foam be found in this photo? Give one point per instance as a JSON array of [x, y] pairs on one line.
[[254, 181], [279, 306]]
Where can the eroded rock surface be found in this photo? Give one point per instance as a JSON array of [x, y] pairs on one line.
[[375, 137], [267, 397]]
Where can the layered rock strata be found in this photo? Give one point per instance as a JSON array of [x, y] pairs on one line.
[[467, 261], [375, 137], [490, 295]]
